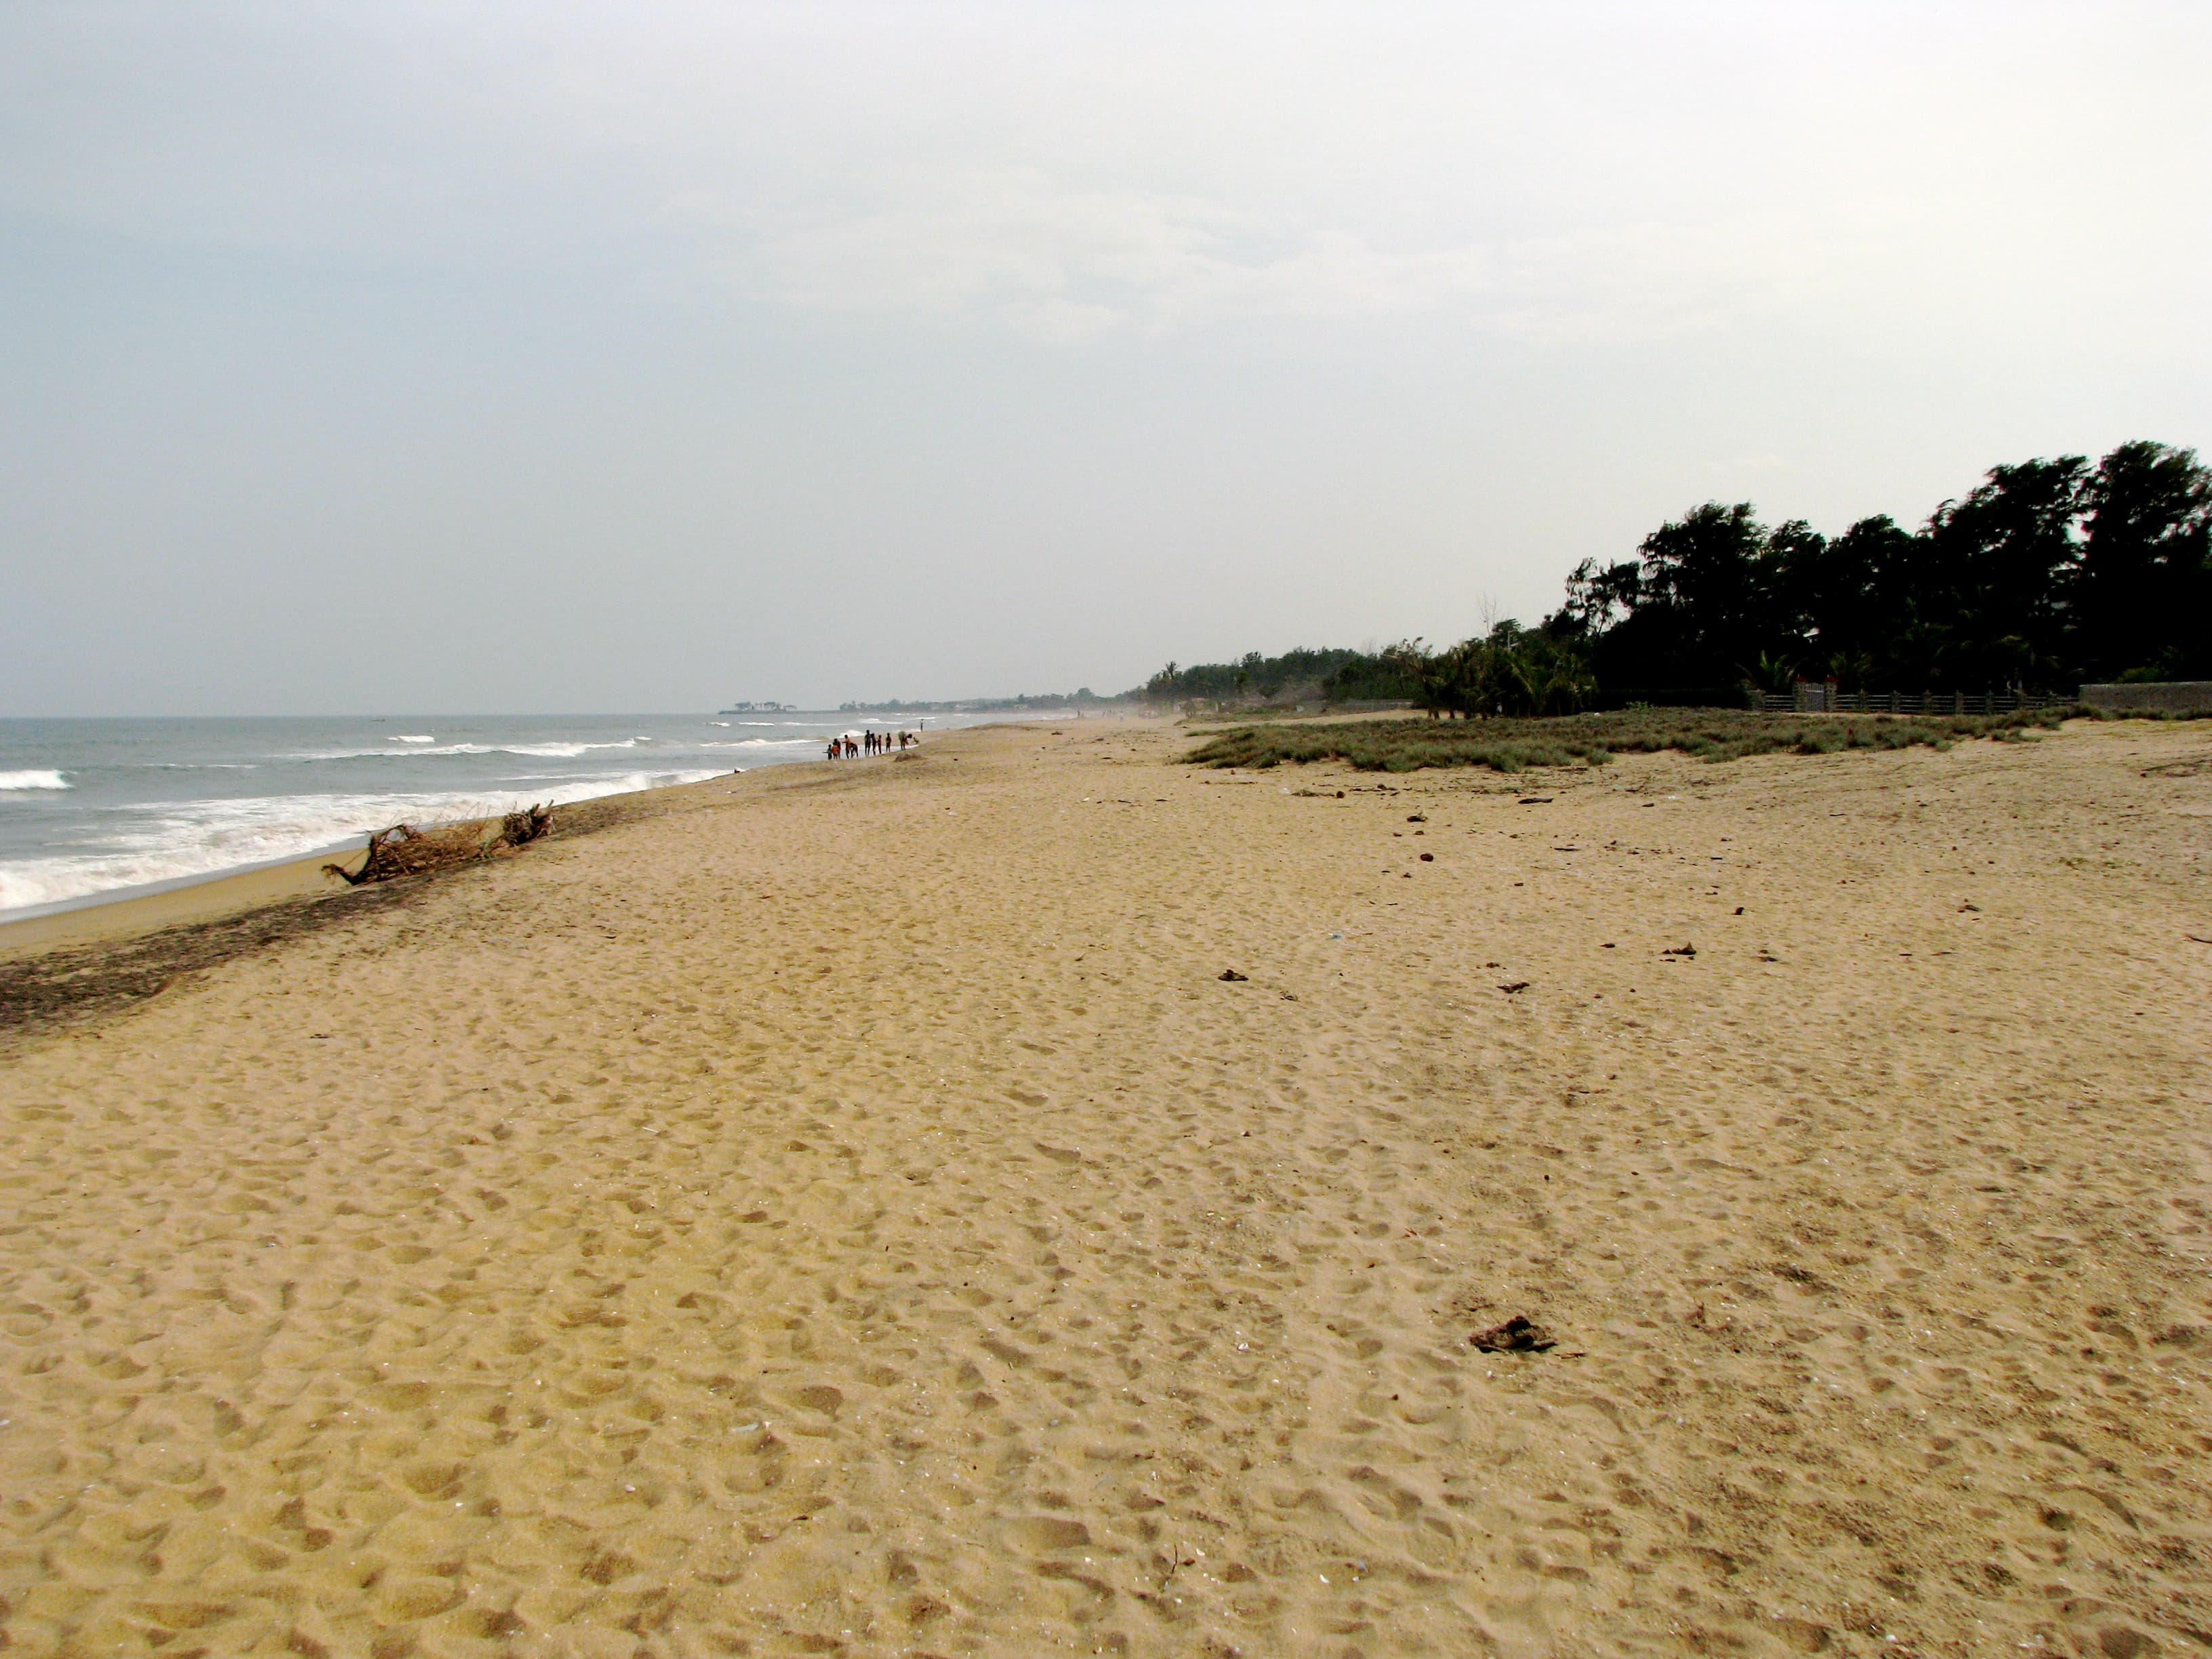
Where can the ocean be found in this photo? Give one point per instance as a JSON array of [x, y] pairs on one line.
[[96, 809]]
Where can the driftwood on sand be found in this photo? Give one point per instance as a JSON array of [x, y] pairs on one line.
[[404, 850]]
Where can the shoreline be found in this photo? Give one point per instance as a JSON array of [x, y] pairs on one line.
[[131, 913], [18, 928], [190, 899], [92, 959], [1032, 1195], [128, 912]]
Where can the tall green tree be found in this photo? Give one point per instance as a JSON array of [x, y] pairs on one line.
[[1714, 599], [1866, 608], [2048, 572], [2141, 597], [2000, 569]]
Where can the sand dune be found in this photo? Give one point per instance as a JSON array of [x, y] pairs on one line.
[[852, 1216]]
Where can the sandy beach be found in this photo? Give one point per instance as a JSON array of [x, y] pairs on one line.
[[848, 1212]]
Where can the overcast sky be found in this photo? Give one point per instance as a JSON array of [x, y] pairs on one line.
[[469, 357]]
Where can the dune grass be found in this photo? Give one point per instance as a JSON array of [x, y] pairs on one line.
[[1505, 744]]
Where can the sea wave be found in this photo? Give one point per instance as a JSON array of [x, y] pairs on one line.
[[175, 840], [539, 751], [425, 736], [33, 780]]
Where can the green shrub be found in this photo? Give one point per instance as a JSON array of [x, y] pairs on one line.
[[1511, 744]]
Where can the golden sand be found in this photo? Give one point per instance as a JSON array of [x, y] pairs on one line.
[[852, 1216]]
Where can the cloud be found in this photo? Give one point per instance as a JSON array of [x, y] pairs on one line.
[[1073, 175], [1064, 264], [1067, 262]]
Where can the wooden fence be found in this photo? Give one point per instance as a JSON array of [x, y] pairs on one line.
[[1812, 697]]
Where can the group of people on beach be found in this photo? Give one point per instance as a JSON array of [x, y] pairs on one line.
[[870, 743]]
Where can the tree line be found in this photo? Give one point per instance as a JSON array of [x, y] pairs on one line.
[[2047, 574], [1336, 675]]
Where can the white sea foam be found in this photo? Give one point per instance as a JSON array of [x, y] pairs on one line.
[[541, 750], [178, 840], [34, 779], [424, 738]]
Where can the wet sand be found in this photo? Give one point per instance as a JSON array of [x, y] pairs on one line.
[[851, 1215], [216, 899]]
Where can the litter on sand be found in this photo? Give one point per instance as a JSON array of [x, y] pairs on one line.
[[1518, 1334]]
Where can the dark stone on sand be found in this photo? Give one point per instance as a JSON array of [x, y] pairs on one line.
[[1518, 1334], [1233, 976]]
